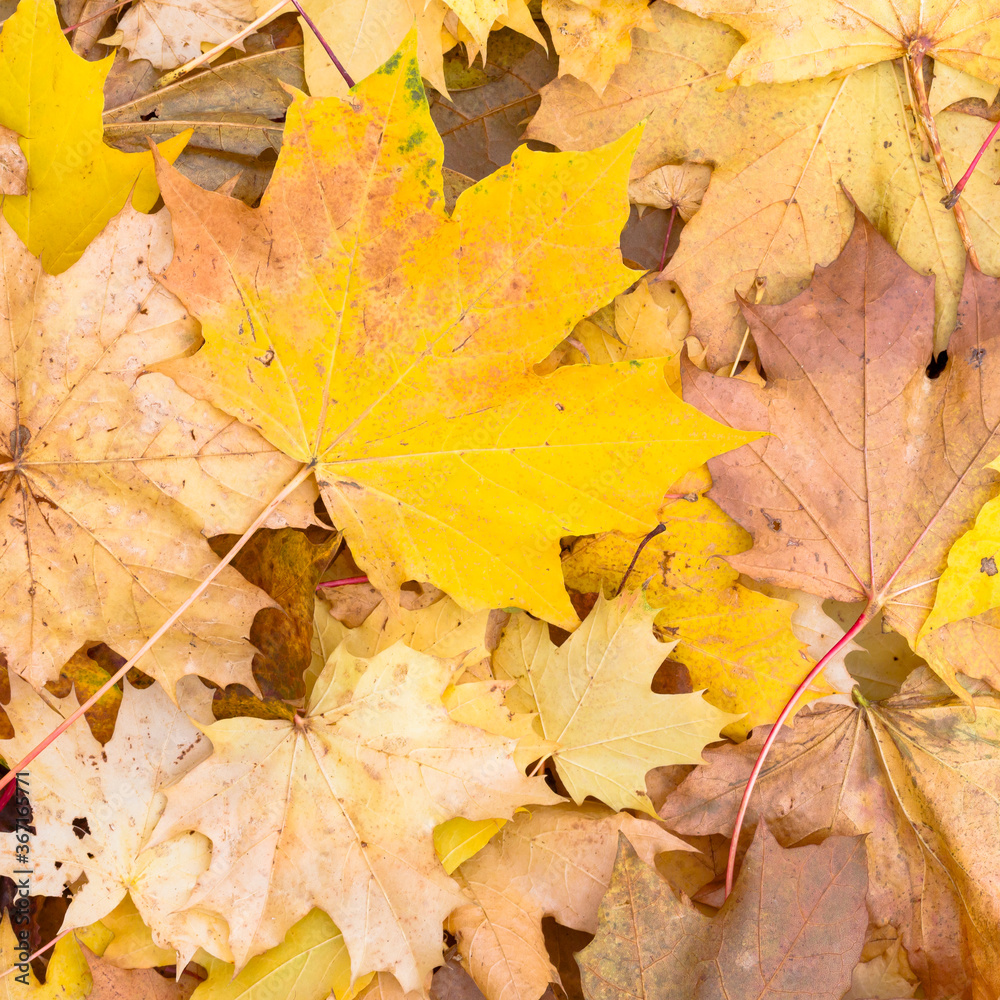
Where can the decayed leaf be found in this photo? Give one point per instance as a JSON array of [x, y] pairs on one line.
[[786, 42], [170, 32], [873, 469], [13, 165], [648, 942], [286, 565], [595, 704], [554, 862], [775, 206], [736, 643], [481, 126], [440, 454], [109, 476], [93, 809], [310, 962], [592, 37], [53, 100], [337, 808], [921, 777], [234, 108], [793, 927]]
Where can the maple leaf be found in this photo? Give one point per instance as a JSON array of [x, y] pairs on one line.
[[94, 808], [594, 701], [337, 808], [53, 99], [439, 453], [168, 34], [874, 469], [920, 777], [554, 862], [775, 207], [110, 476], [737, 644], [793, 927], [830, 36], [592, 37]]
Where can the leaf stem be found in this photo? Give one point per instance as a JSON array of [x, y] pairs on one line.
[[951, 199], [862, 621], [292, 485], [206, 57], [322, 41], [666, 241], [346, 582], [94, 17], [659, 529], [41, 951], [914, 70]]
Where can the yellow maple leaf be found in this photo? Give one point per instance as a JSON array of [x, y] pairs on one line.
[[736, 643], [595, 703], [775, 207], [391, 346], [338, 809], [109, 477], [800, 41], [54, 99]]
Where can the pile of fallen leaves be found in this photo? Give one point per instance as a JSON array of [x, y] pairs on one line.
[[492, 468]]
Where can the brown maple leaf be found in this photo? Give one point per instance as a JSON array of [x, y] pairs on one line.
[[921, 778], [793, 928], [872, 467]]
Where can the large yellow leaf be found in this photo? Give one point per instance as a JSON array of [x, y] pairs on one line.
[[736, 643], [796, 41], [775, 207], [53, 99], [336, 809], [364, 331], [595, 703], [109, 477]]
